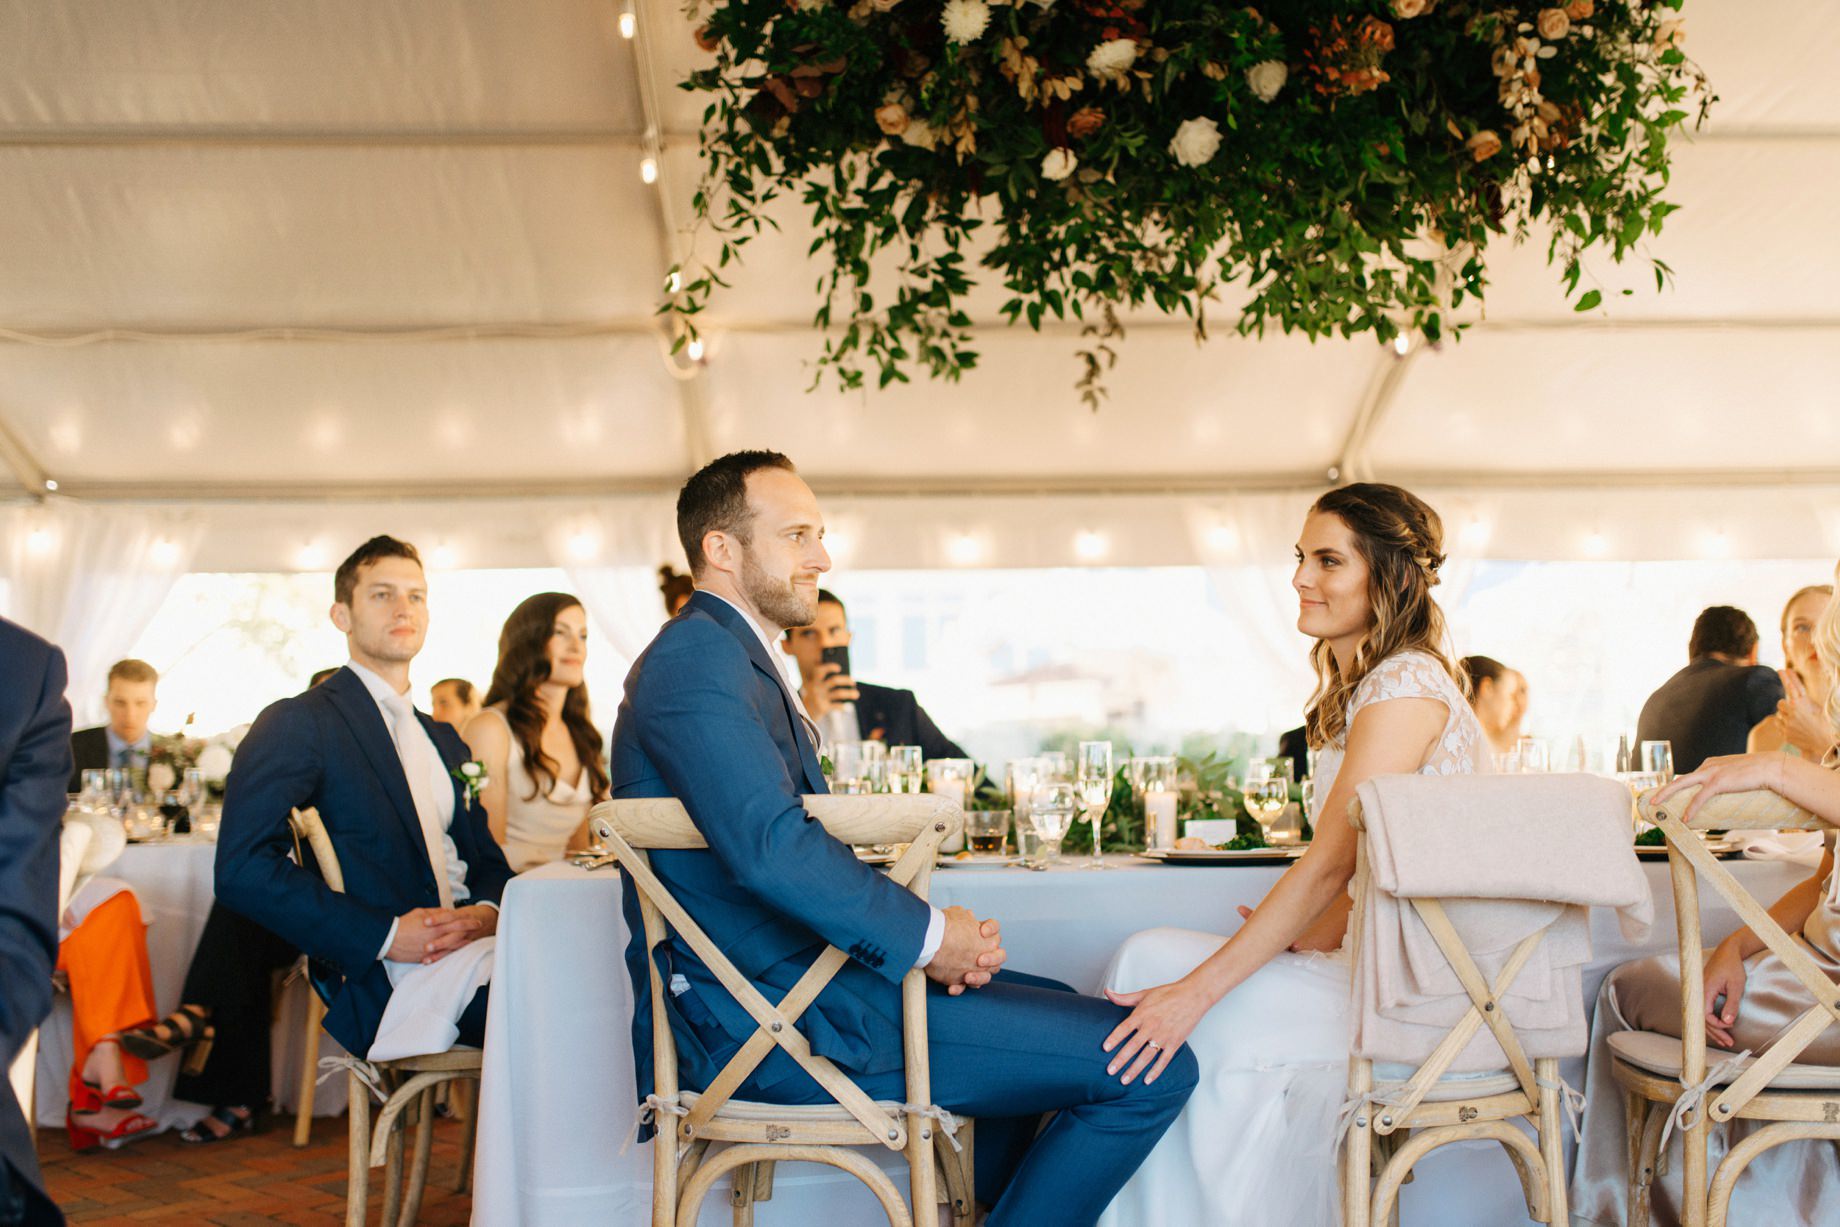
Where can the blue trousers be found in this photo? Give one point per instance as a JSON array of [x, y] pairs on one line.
[[1007, 1054]]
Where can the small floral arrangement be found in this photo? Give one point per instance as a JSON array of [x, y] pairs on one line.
[[1345, 163], [168, 759], [473, 777]]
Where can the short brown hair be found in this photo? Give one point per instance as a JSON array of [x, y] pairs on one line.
[[463, 689], [1722, 629], [132, 670], [345, 579], [715, 500]]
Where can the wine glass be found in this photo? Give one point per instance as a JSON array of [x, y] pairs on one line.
[[1267, 791], [1657, 759], [1095, 790], [1051, 807]]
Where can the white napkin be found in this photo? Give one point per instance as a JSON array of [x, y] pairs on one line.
[[1801, 847]]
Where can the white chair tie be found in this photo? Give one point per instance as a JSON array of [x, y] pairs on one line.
[[365, 1072], [948, 1123], [1694, 1096], [1571, 1099], [655, 1105], [1351, 1108]]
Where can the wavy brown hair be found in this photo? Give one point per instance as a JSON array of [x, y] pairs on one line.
[[1827, 647], [1401, 539], [523, 666]]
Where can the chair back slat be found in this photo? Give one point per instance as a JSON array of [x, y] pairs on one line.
[[627, 828], [1760, 810], [307, 824]]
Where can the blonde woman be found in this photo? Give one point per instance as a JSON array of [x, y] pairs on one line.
[[1799, 724], [1750, 997], [1266, 1011]]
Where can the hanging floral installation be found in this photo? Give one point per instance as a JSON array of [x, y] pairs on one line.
[[1345, 163]]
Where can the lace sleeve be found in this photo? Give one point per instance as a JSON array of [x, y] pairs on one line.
[[1407, 675]]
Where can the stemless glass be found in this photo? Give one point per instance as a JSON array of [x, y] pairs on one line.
[[1534, 758], [1051, 807], [905, 768], [1657, 759], [987, 831], [1267, 791], [1095, 791]]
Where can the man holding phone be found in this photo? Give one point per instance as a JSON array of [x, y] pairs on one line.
[[846, 709]]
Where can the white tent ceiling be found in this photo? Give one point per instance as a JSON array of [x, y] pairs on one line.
[[371, 250]]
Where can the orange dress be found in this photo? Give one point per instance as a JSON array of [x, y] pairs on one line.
[[111, 987]]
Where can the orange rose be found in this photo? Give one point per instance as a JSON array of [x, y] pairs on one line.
[[1580, 10], [1084, 122], [1554, 24], [1483, 146], [706, 40]]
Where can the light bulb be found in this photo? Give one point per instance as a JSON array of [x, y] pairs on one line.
[[629, 22], [311, 556], [584, 545], [648, 169], [51, 485], [164, 552], [444, 557], [1090, 546], [964, 550], [695, 349], [1402, 344]]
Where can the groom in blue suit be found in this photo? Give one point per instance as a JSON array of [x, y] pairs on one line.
[[708, 718]]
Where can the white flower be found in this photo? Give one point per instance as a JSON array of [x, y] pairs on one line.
[[1058, 164], [1671, 33], [214, 762], [1110, 60], [919, 133], [965, 20], [1267, 78], [473, 770], [160, 778], [1195, 142]]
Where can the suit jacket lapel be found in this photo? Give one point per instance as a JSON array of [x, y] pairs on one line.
[[736, 624], [373, 735], [449, 761]]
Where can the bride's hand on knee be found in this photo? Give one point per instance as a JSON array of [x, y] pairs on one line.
[[1724, 978], [1161, 1020]]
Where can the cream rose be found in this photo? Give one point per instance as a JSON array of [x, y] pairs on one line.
[[1406, 10], [1110, 60], [1672, 33], [1554, 24], [919, 133], [1580, 10], [1195, 142], [1059, 164], [965, 20], [1483, 146], [1266, 78], [160, 778], [891, 118]]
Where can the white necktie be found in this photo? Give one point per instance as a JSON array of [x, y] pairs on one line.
[[413, 749]]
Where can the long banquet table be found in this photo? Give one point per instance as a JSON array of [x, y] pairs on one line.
[[557, 1109]]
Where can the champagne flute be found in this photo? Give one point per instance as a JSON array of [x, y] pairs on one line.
[[1095, 790], [1051, 807]]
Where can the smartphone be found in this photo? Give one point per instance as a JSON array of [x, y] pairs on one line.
[[839, 656]]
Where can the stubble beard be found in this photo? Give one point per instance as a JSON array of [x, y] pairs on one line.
[[776, 599]]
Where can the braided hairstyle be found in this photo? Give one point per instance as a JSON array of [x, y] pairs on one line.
[[1401, 539]]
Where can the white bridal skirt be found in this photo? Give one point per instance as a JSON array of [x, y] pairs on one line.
[[1255, 1147]]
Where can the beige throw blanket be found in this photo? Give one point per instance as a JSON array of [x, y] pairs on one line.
[[1508, 856]]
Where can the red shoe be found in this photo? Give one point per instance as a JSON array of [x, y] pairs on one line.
[[130, 1128], [82, 1140], [121, 1097]]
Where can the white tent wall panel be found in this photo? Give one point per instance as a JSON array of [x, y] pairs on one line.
[[293, 413], [323, 64]]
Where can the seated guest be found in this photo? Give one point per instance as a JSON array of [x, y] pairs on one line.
[[124, 741], [1751, 998], [1710, 707], [541, 751], [709, 718], [102, 951], [34, 763], [227, 1003], [1498, 695], [675, 589], [453, 701], [1294, 744], [1799, 724], [849, 710], [404, 950]]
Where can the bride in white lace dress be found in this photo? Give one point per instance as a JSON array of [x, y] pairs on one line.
[[1266, 1011]]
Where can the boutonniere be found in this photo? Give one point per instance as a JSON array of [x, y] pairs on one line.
[[472, 776]]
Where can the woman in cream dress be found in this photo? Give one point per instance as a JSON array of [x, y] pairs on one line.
[[542, 753], [1266, 1011], [1750, 999]]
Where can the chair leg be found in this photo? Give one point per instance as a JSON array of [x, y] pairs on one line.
[[1357, 1176], [741, 1194], [358, 1166], [418, 1169], [469, 1135], [1552, 1143], [393, 1166], [309, 1063]]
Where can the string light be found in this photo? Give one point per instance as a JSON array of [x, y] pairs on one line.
[[1402, 344], [311, 556], [584, 545], [629, 22], [50, 486], [1596, 545], [39, 542], [694, 349], [673, 282], [164, 552], [1090, 546], [444, 557], [964, 550], [648, 169]]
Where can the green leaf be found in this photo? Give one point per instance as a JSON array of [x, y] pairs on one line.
[[1588, 300]]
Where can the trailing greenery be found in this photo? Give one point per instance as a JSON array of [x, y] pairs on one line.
[[1344, 162]]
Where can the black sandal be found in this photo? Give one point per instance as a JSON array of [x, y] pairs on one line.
[[185, 1026], [233, 1122]]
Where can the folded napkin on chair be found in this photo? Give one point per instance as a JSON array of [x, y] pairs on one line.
[[1507, 856]]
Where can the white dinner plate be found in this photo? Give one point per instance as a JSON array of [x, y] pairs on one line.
[[978, 862], [1218, 856]]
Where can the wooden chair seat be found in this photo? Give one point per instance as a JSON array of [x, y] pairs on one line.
[[802, 1125], [1389, 1077], [1660, 1054]]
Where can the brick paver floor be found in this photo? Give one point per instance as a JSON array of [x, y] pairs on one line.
[[260, 1179]]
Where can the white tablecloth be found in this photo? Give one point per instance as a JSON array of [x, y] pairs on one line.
[[557, 1105], [173, 882]]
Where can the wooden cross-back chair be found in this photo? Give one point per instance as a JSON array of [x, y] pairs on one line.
[[1397, 1122], [408, 1087], [759, 1134], [1666, 1078]]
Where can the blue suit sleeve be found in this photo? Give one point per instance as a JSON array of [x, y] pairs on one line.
[[696, 724], [32, 779], [277, 770]]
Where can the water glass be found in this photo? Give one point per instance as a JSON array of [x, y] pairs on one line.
[[191, 788], [987, 831], [96, 787], [1656, 758], [1095, 791], [1051, 806], [860, 766], [905, 768], [1028, 842], [1533, 756]]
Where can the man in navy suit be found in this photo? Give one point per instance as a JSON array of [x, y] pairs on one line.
[[848, 710], [34, 763], [422, 873], [708, 718]]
